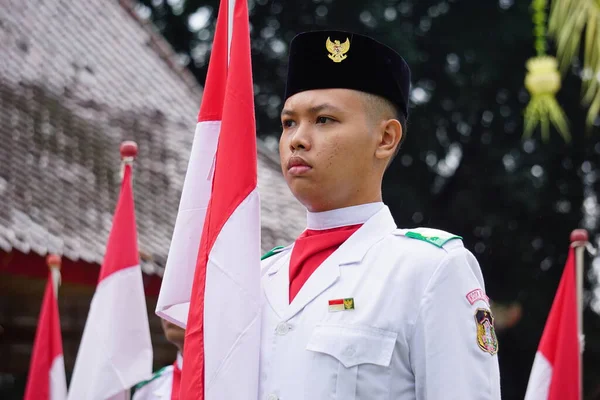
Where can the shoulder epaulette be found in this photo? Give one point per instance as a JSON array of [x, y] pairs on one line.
[[272, 252], [435, 237], [156, 375]]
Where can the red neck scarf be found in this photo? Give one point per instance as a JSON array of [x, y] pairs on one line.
[[311, 249], [176, 381]]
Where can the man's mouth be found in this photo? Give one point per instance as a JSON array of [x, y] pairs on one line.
[[297, 166]]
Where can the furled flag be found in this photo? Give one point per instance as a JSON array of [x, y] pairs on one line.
[[212, 278], [115, 351], [46, 379], [555, 371]]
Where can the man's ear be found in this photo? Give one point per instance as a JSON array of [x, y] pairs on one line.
[[389, 138]]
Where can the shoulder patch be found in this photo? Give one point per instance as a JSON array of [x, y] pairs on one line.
[[272, 252], [156, 375], [435, 237], [486, 334]]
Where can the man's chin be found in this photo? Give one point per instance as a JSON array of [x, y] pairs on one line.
[[312, 200], [305, 192], [175, 335]]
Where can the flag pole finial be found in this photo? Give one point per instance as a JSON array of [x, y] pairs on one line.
[[579, 237], [54, 261], [128, 150]]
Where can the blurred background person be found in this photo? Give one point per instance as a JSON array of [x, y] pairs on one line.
[[164, 384]]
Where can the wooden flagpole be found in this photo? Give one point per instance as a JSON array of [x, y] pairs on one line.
[[579, 241]]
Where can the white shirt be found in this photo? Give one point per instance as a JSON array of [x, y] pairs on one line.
[[412, 334], [159, 386]]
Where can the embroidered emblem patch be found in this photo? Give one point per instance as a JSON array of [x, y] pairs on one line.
[[337, 50], [341, 304], [486, 334], [477, 294]]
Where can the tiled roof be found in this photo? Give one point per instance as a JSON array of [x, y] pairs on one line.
[[77, 78]]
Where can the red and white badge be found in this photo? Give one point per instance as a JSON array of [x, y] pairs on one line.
[[341, 304]]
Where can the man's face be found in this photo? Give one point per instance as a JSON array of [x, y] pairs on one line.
[[174, 334], [327, 148]]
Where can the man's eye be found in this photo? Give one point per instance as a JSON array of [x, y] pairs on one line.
[[323, 120], [288, 123]]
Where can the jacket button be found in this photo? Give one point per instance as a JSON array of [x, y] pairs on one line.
[[282, 329]]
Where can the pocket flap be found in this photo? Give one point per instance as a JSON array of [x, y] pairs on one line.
[[354, 345]]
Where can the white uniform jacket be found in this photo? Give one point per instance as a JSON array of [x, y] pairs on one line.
[[417, 329], [159, 386]]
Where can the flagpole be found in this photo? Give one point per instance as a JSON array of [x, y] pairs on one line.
[[46, 366], [54, 262], [579, 240], [128, 150]]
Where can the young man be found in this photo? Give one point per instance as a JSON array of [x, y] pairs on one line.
[[357, 308], [164, 384]]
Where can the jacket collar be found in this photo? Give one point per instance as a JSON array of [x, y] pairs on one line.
[[352, 251]]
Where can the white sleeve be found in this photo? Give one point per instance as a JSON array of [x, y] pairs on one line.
[[453, 346]]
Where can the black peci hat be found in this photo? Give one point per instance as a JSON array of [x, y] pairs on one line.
[[337, 59]]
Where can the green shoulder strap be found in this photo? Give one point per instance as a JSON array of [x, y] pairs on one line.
[[436, 238], [272, 252]]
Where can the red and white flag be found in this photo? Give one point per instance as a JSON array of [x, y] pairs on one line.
[[46, 379], [555, 371], [115, 352], [211, 283]]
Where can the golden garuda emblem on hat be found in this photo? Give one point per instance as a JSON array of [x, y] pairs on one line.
[[337, 50]]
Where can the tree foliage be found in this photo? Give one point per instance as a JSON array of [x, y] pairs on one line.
[[464, 166]]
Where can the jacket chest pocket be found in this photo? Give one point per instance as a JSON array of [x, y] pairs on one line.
[[349, 362]]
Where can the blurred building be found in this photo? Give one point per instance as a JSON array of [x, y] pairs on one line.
[[76, 79]]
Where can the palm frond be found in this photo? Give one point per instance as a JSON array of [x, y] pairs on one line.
[[568, 38], [593, 110], [567, 22], [558, 14]]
